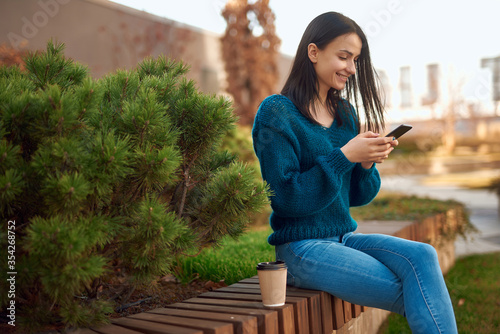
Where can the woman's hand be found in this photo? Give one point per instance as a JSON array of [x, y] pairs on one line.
[[368, 148]]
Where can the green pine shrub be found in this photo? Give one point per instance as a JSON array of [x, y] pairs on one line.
[[109, 180]]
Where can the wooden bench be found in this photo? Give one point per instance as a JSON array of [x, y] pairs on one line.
[[238, 308]]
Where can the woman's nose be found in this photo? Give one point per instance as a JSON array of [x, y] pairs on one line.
[[351, 67]]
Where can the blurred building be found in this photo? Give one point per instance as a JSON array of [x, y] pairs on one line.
[[405, 87], [433, 89], [432, 85], [494, 65], [107, 36]]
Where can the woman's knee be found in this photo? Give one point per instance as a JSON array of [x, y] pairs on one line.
[[425, 253], [427, 250]]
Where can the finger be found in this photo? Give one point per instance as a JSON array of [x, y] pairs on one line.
[[382, 150], [369, 134], [384, 140], [391, 139], [382, 159], [384, 154]]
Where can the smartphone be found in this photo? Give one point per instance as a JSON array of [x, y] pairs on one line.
[[399, 131]]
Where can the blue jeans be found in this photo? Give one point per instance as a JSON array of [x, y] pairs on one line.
[[375, 270]]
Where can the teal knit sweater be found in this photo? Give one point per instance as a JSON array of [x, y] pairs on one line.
[[313, 183]]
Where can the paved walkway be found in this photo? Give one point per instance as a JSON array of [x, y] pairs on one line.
[[482, 205]]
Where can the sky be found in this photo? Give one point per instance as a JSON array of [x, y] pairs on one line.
[[456, 34]]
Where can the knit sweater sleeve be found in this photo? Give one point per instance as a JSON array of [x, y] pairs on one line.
[[365, 185], [296, 192]]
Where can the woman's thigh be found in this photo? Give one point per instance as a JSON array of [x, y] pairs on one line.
[[347, 273], [404, 257]]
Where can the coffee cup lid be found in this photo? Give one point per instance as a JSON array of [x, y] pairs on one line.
[[271, 265]]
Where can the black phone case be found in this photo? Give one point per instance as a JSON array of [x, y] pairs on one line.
[[399, 131]]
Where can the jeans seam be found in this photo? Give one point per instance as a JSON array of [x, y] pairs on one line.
[[291, 251], [415, 273]]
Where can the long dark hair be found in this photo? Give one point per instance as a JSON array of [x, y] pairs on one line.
[[302, 85]]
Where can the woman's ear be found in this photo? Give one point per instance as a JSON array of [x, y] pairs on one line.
[[312, 52]]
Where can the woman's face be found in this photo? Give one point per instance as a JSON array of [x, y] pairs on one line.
[[336, 62]]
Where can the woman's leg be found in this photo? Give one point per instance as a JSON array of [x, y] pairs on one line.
[[428, 307], [344, 272]]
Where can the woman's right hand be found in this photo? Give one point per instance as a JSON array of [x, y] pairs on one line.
[[369, 147]]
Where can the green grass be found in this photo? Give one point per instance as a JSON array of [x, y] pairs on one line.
[[391, 206], [232, 262], [475, 293]]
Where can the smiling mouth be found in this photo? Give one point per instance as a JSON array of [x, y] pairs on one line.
[[343, 77]]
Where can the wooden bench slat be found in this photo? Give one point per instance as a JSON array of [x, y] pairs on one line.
[[286, 322], [153, 327], [243, 324], [313, 305], [246, 285], [208, 326], [265, 321], [356, 310], [250, 280], [332, 315], [230, 288], [113, 329], [301, 314], [347, 311], [338, 307], [326, 312], [81, 331]]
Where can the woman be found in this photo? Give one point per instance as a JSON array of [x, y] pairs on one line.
[[319, 163]]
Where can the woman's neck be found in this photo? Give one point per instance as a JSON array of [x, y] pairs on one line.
[[321, 113]]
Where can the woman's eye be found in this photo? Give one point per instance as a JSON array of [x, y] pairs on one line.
[[343, 58]]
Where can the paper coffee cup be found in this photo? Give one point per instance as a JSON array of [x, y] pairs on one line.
[[272, 281]]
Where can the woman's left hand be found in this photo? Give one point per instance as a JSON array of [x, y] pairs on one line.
[[393, 143]]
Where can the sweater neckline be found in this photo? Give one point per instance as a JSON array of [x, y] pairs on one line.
[[328, 127], [314, 125]]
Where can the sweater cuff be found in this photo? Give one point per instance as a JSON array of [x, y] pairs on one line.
[[367, 171], [363, 173], [338, 161]]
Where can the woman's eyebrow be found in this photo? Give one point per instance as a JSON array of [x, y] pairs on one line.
[[347, 51]]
